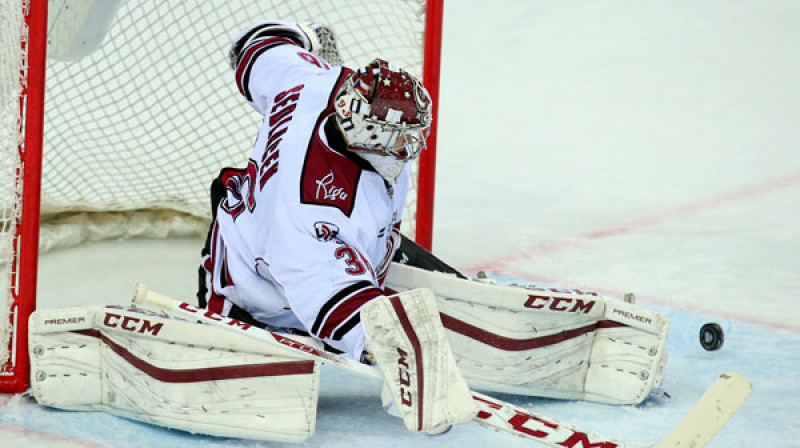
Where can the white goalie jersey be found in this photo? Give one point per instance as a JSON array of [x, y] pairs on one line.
[[305, 232]]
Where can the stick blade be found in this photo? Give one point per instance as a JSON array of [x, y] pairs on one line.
[[710, 413]]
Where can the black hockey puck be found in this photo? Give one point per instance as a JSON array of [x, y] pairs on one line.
[[711, 336]]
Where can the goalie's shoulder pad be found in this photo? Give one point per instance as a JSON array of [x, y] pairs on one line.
[[183, 375]]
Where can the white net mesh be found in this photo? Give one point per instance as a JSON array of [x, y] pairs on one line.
[[147, 120]]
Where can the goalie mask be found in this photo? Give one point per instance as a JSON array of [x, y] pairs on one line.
[[385, 115]]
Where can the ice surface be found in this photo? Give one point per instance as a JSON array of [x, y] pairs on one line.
[[618, 146]]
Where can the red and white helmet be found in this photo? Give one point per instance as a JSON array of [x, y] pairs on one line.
[[385, 111]]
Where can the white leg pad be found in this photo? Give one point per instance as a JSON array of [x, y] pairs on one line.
[[408, 342], [543, 342], [171, 373]]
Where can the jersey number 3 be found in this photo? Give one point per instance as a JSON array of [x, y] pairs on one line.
[[354, 264]]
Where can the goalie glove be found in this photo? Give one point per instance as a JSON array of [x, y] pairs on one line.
[[323, 42], [316, 38]]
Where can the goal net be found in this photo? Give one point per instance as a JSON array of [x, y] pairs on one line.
[[141, 112]]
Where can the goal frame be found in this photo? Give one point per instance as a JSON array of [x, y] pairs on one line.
[[24, 266], [24, 261]]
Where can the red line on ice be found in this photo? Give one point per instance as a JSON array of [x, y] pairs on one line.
[[44, 437], [505, 264], [567, 243], [657, 301]]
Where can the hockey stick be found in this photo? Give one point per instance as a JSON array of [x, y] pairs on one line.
[[702, 422]]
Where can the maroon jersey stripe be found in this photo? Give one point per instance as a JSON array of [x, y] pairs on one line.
[[347, 308], [246, 61]]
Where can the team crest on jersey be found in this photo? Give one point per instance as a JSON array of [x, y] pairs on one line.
[[326, 231]]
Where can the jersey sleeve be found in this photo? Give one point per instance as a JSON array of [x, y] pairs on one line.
[[265, 61]]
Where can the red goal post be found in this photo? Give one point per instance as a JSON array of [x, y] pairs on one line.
[[134, 125], [20, 163]]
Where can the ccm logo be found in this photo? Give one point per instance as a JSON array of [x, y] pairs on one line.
[[563, 304], [132, 324], [214, 316], [551, 433], [297, 345], [404, 376]]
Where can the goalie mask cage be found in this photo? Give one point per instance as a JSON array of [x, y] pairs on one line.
[[141, 112]]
